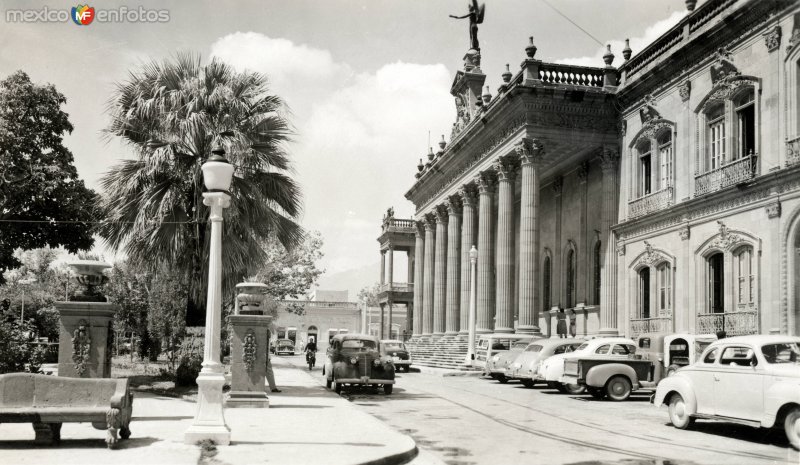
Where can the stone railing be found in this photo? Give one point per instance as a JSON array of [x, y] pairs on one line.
[[571, 75], [733, 173], [398, 225], [650, 325], [397, 287], [733, 323], [651, 203], [320, 303], [793, 151]]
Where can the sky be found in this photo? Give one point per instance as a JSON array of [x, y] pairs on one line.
[[366, 81]]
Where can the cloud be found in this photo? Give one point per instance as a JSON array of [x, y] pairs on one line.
[[637, 44]]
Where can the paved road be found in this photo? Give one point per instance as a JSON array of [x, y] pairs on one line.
[[469, 420]]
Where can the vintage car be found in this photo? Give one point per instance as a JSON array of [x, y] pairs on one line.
[[397, 351], [658, 355], [526, 365], [355, 359], [553, 368], [284, 346], [500, 362], [752, 380], [490, 345]]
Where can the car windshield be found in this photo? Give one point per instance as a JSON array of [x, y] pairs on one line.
[[785, 352], [520, 345], [533, 348], [582, 346], [359, 344], [394, 346]]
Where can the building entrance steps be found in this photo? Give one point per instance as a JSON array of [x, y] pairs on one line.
[[446, 352]]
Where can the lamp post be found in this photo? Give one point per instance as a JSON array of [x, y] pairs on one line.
[[473, 261], [209, 421], [24, 283]]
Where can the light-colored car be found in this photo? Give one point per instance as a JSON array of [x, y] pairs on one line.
[[752, 380], [284, 346], [490, 345], [498, 365], [526, 366], [553, 368]]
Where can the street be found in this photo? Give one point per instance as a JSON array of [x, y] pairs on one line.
[[469, 420]]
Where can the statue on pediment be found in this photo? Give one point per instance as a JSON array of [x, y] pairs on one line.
[[475, 16]]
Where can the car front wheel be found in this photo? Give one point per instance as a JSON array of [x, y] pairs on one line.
[[618, 388], [337, 386], [502, 378], [528, 383], [791, 425], [574, 389], [678, 413], [387, 388], [328, 382]]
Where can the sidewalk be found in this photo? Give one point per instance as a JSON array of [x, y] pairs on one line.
[[305, 424]]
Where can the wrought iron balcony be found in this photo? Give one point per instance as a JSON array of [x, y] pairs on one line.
[[733, 173], [793, 151], [733, 323], [397, 287], [650, 325], [651, 202]]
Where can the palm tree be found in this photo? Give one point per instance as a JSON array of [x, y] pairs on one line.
[[172, 113]]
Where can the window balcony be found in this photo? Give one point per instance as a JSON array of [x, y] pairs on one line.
[[793, 151], [733, 323], [650, 203], [397, 287], [735, 172], [650, 325]]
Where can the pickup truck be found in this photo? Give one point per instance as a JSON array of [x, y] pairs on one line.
[[658, 355]]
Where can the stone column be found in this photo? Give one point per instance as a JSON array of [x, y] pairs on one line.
[[410, 269], [486, 186], [468, 200], [453, 264], [506, 169], [383, 266], [84, 339], [440, 273], [608, 273], [419, 250], [390, 253], [249, 352], [530, 153], [427, 280]]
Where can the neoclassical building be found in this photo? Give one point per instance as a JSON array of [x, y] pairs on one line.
[[662, 194]]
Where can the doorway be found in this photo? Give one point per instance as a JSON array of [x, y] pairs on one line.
[[716, 280]]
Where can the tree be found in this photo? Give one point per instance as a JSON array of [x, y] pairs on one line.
[[127, 289], [42, 200], [166, 318], [172, 113], [369, 294], [291, 273]]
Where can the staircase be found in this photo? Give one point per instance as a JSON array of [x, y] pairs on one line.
[[444, 352]]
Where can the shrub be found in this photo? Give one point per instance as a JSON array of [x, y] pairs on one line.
[[188, 369], [16, 354]]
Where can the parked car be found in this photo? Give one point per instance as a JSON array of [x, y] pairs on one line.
[[526, 366], [490, 345], [284, 346], [355, 359], [553, 368], [400, 356], [752, 380], [657, 355], [499, 364]]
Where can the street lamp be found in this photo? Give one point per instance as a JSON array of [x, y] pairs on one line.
[[209, 421], [473, 261], [24, 283]]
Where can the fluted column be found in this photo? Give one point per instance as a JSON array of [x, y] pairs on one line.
[[419, 251], [390, 254], [453, 265], [506, 168], [427, 280], [383, 267], [468, 195], [440, 273], [485, 293], [530, 153], [608, 275]]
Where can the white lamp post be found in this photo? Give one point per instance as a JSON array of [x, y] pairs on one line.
[[25, 283], [209, 422], [473, 261]]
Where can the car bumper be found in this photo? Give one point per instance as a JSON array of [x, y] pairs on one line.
[[364, 380], [402, 363], [567, 379]]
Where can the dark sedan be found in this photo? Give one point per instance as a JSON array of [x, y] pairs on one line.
[[397, 351], [355, 359]]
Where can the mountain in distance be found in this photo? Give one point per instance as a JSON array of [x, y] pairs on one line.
[[352, 280]]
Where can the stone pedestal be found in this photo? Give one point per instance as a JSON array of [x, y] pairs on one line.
[[249, 352], [85, 338]]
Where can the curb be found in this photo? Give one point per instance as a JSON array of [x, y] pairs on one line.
[[396, 459], [446, 372]]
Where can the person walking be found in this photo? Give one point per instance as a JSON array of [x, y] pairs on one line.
[[270, 373]]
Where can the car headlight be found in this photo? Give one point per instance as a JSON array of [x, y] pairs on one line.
[[377, 362], [353, 360], [496, 358]]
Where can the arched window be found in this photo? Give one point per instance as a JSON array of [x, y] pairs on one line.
[[715, 119], [596, 273], [645, 168], [547, 271], [716, 283], [744, 278], [745, 109], [644, 293], [664, 272], [570, 281], [666, 157]]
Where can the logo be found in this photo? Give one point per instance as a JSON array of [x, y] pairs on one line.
[[83, 15]]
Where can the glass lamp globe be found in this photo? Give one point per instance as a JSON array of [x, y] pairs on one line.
[[217, 172]]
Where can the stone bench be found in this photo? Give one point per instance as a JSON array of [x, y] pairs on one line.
[[48, 401]]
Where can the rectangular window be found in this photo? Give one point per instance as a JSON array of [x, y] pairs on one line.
[[747, 130], [666, 157], [644, 163], [716, 143], [745, 279], [664, 287]]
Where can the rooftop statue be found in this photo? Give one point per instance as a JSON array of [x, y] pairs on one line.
[[475, 16]]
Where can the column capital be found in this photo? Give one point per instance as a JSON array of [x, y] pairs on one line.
[[430, 222], [419, 229], [529, 151], [486, 181], [558, 185], [469, 194], [609, 157], [441, 213], [506, 168], [453, 205]]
